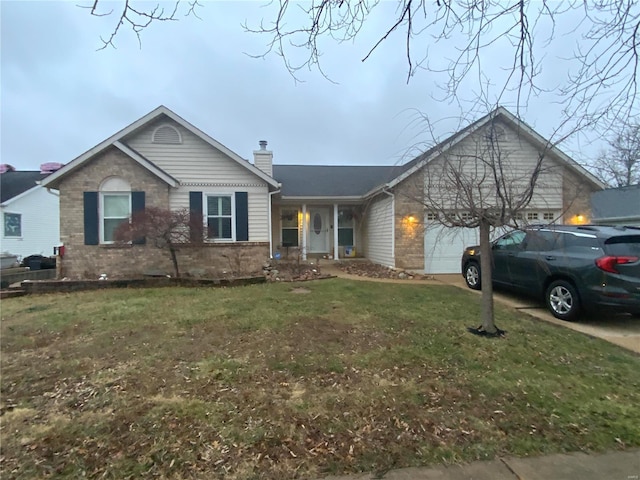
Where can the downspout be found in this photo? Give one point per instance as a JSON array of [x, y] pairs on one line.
[[336, 249], [393, 224], [270, 229], [304, 232]]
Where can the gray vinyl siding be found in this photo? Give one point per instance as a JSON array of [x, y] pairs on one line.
[[200, 167], [194, 160], [519, 158], [379, 232]]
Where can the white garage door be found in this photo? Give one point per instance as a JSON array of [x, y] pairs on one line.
[[443, 247]]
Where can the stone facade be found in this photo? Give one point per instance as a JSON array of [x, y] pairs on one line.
[[576, 196], [119, 261], [409, 223]]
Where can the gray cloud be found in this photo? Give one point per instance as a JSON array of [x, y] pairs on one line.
[[60, 96]]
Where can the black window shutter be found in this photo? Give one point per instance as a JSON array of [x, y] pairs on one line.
[[242, 217], [137, 205], [195, 208], [91, 235]]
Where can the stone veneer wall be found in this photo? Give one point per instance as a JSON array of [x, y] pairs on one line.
[[90, 261], [576, 195], [409, 237]]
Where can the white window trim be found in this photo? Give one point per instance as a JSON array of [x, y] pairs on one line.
[[102, 217], [205, 209], [13, 237]]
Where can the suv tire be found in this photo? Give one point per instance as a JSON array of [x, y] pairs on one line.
[[562, 300], [472, 275]]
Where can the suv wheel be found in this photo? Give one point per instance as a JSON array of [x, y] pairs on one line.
[[562, 300], [472, 275]]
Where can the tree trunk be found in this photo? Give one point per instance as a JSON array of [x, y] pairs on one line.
[[486, 269], [174, 260]]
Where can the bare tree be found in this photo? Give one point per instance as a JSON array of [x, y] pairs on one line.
[[516, 40], [619, 166], [164, 229], [483, 182]]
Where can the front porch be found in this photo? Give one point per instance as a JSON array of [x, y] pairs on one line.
[[316, 230]]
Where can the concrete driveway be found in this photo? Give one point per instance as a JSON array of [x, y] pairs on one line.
[[620, 329]]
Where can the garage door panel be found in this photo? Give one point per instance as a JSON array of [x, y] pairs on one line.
[[443, 247]]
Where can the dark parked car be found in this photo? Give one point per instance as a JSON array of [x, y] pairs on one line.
[[574, 268]]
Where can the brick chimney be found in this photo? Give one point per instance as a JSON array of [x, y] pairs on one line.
[[263, 158]]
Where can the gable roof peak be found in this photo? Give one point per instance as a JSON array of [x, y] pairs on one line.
[[117, 138]]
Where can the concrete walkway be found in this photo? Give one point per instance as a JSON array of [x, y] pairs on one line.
[[617, 465], [572, 466]]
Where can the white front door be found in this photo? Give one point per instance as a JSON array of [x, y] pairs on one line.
[[318, 230]]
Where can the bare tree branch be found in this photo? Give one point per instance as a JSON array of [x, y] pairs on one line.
[[619, 165], [139, 18]]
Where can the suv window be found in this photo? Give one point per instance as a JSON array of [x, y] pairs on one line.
[[541, 240], [511, 241], [577, 243], [625, 245]]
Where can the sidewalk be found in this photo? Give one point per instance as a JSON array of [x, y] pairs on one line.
[[573, 466]]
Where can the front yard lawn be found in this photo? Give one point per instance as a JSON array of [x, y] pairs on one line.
[[301, 380]]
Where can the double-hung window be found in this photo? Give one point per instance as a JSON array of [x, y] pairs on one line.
[[220, 217], [290, 227], [116, 209], [345, 227]]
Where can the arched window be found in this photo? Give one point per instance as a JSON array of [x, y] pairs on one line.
[[115, 207], [166, 134]]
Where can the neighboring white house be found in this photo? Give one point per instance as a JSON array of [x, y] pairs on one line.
[[30, 214]]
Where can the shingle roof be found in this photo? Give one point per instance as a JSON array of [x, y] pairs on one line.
[[616, 203], [14, 183], [331, 180]]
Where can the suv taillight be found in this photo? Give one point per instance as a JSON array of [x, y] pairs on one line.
[[608, 263]]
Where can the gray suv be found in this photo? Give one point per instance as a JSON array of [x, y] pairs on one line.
[[574, 268]]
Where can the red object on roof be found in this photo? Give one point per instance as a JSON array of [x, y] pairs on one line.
[[50, 167]]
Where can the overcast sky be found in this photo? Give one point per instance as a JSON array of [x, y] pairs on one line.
[[61, 96]]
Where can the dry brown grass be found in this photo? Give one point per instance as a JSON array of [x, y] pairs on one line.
[[262, 382]]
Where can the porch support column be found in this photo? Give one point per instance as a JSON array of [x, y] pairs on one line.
[[304, 231], [335, 232]]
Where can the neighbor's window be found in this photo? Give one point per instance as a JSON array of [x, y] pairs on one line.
[[115, 207], [345, 227], [548, 216], [12, 225], [532, 216], [289, 221], [219, 217]]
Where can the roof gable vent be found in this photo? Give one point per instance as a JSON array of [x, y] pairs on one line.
[[166, 134]]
